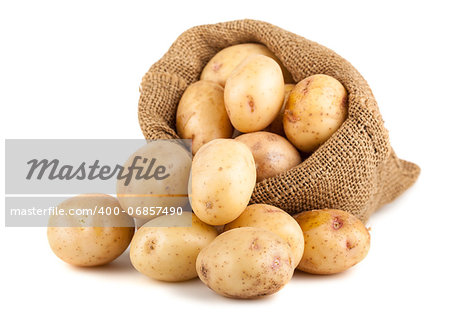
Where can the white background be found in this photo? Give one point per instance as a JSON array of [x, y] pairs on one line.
[[73, 71]]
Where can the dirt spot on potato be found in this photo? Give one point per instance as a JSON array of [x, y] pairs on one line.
[[276, 263], [216, 67], [349, 245], [204, 271], [305, 89], [291, 117], [337, 223], [251, 103], [254, 245], [208, 205], [270, 287], [150, 245], [271, 210]]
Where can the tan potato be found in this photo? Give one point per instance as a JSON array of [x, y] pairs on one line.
[[273, 154], [170, 190], [316, 108], [334, 241], [222, 181], [201, 114], [277, 221], [166, 248], [246, 262], [86, 237], [254, 93], [225, 61], [277, 125]]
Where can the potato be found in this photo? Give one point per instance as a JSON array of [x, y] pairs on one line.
[[246, 262], [201, 114], [277, 125], [316, 108], [254, 93], [86, 237], [222, 181], [277, 221], [225, 61], [334, 241], [273, 154], [170, 190], [165, 250]]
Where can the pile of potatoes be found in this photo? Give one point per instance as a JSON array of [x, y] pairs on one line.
[[247, 123], [244, 89]]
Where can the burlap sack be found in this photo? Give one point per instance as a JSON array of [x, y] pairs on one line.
[[355, 170]]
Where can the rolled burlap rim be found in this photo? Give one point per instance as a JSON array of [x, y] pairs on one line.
[[355, 170]]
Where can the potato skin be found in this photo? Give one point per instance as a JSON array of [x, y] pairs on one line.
[[275, 220], [254, 93], [273, 154], [316, 108], [169, 253], [140, 194], [219, 68], [222, 181], [201, 114], [246, 262], [277, 125], [334, 241], [93, 240]]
